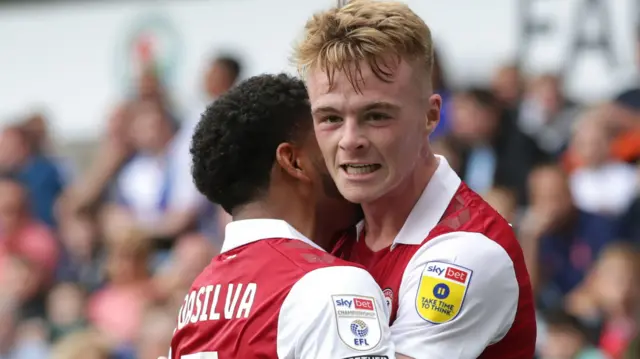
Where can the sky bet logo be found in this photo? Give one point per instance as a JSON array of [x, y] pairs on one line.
[[358, 303], [450, 273]]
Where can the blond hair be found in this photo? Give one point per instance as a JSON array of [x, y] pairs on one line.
[[341, 38]]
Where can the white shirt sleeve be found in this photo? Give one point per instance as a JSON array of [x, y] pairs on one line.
[[334, 312], [458, 295]]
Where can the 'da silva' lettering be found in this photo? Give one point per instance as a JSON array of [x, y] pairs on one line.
[[204, 303]]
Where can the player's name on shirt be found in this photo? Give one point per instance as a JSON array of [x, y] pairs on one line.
[[217, 301]]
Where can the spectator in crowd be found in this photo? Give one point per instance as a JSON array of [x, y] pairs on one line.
[[560, 242], [506, 85], [191, 253], [566, 338], [149, 86], [630, 225], [19, 340], [609, 298], [600, 184], [545, 116], [474, 136], [536, 129], [36, 130], [28, 249], [220, 75], [36, 171], [625, 123], [65, 310], [82, 345], [146, 187], [116, 310], [155, 333], [86, 192], [81, 259]]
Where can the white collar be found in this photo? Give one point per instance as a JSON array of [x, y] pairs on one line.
[[428, 211], [239, 233]]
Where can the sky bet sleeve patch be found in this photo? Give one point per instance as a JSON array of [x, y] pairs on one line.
[[357, 320], [441, 292]]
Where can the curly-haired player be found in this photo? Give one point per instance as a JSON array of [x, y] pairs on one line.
[[273, 292], [452, 270]]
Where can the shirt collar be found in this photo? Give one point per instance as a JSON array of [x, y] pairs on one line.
[[431, 205], [239, 233]]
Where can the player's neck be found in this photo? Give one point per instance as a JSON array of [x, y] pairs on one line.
[[299, 216], [382, 225]]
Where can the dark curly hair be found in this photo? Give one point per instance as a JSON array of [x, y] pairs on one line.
[[234, 144]]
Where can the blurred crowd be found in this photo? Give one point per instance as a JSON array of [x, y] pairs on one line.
[[95, 260]]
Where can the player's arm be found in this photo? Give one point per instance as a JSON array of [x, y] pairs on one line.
[[459, 294], [335, 312]]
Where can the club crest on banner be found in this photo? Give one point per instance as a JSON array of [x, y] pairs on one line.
[[151, 42]]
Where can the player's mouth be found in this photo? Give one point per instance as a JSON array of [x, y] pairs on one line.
[[360, 169]]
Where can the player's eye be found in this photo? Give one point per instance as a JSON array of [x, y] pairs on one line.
[[378, 116], [331, 119]]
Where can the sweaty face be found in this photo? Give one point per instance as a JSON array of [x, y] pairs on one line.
[[370, 139]]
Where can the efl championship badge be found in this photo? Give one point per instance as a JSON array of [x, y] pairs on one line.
[[441, 293], [357, 321]]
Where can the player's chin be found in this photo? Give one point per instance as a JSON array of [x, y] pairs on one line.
[[359, 193]]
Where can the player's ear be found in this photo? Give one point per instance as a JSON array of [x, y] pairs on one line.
[[432, 117], [289, 159]]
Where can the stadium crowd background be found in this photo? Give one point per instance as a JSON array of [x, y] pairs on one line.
[[98, 245]]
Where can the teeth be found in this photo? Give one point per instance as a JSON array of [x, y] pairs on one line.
[[360, 169]]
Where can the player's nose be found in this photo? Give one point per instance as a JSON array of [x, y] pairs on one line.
[[352, 138]]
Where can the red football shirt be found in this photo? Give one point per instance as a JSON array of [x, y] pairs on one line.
[[272, 293], [454, 277]]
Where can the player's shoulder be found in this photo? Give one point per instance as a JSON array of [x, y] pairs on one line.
[[303, 256], [322, 273], [340, 287], [470, 216], [327, 305]]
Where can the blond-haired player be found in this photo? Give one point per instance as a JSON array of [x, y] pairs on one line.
[[451, 268]]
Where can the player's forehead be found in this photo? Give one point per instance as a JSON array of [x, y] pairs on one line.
[[371, 90]]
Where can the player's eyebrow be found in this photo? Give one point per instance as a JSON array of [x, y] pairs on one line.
[[381, 105], [323, 110], [378, 105]]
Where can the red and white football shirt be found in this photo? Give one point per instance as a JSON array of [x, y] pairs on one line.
[[273, 293], [454, 277]]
